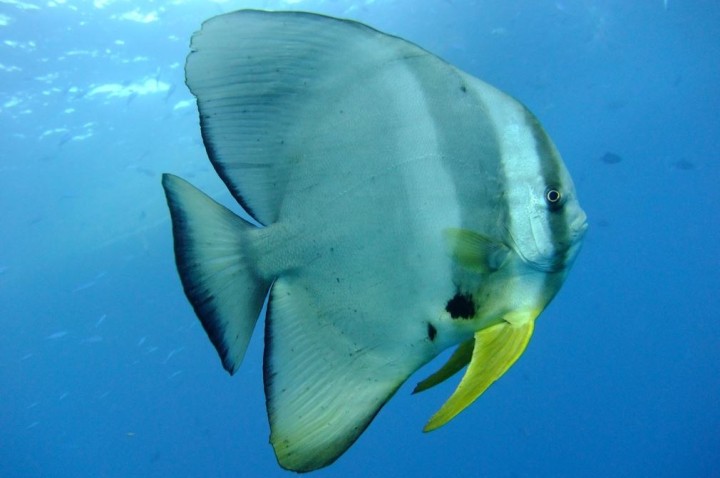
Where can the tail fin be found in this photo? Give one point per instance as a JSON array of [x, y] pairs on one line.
[[216, 271]]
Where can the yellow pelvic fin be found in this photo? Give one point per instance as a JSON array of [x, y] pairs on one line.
[[475, 251], [496, 349], [455, 363]]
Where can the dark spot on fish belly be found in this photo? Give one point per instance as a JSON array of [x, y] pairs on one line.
[[461, 306], [432, 331], [463, 88]]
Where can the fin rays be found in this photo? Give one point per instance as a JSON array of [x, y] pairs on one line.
[[215, 271]]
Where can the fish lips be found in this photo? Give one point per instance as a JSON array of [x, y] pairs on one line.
[[563, 253]]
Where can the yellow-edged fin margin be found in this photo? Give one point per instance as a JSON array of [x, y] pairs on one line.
[[496, 349]]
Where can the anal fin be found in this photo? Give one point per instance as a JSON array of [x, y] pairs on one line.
[[323, 386]]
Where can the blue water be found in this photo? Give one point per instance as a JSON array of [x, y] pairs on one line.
[[105, 372]]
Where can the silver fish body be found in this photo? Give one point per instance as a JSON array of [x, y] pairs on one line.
[[407, 207]]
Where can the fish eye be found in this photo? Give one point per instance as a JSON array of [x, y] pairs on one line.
[[553, 198]]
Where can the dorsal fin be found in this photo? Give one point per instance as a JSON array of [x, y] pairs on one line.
[[258, 92]]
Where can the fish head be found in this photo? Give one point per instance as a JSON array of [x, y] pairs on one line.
[[520, 274], [546, 224]]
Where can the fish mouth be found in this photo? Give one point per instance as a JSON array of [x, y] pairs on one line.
[[563, 254], [550, 263], [554, 263], [579, 226], [566, 255]]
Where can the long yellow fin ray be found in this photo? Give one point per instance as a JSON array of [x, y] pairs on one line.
[[496, 349], [460, 358]]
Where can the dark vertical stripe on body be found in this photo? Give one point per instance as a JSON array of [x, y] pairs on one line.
[[468, 145], [551, 167]]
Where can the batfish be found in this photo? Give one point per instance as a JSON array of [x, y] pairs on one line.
[[404, 207]]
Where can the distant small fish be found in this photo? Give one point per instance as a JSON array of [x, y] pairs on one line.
[[131, 97], [92, 339], [610, 158], [83, 286], [602, 222], [100, 320], [64, 138], [170, 91], [683, 165], [146, 171], [616, 104], [171, 354], [90, 283], [57, 335], [183, 104], [156, 76]]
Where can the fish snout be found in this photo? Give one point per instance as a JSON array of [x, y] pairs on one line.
[[579, 225]]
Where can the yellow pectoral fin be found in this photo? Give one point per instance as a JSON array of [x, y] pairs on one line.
[[496, 349], [455, 363], [475, 251]]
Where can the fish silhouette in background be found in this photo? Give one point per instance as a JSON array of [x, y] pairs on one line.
[[406, 207]]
